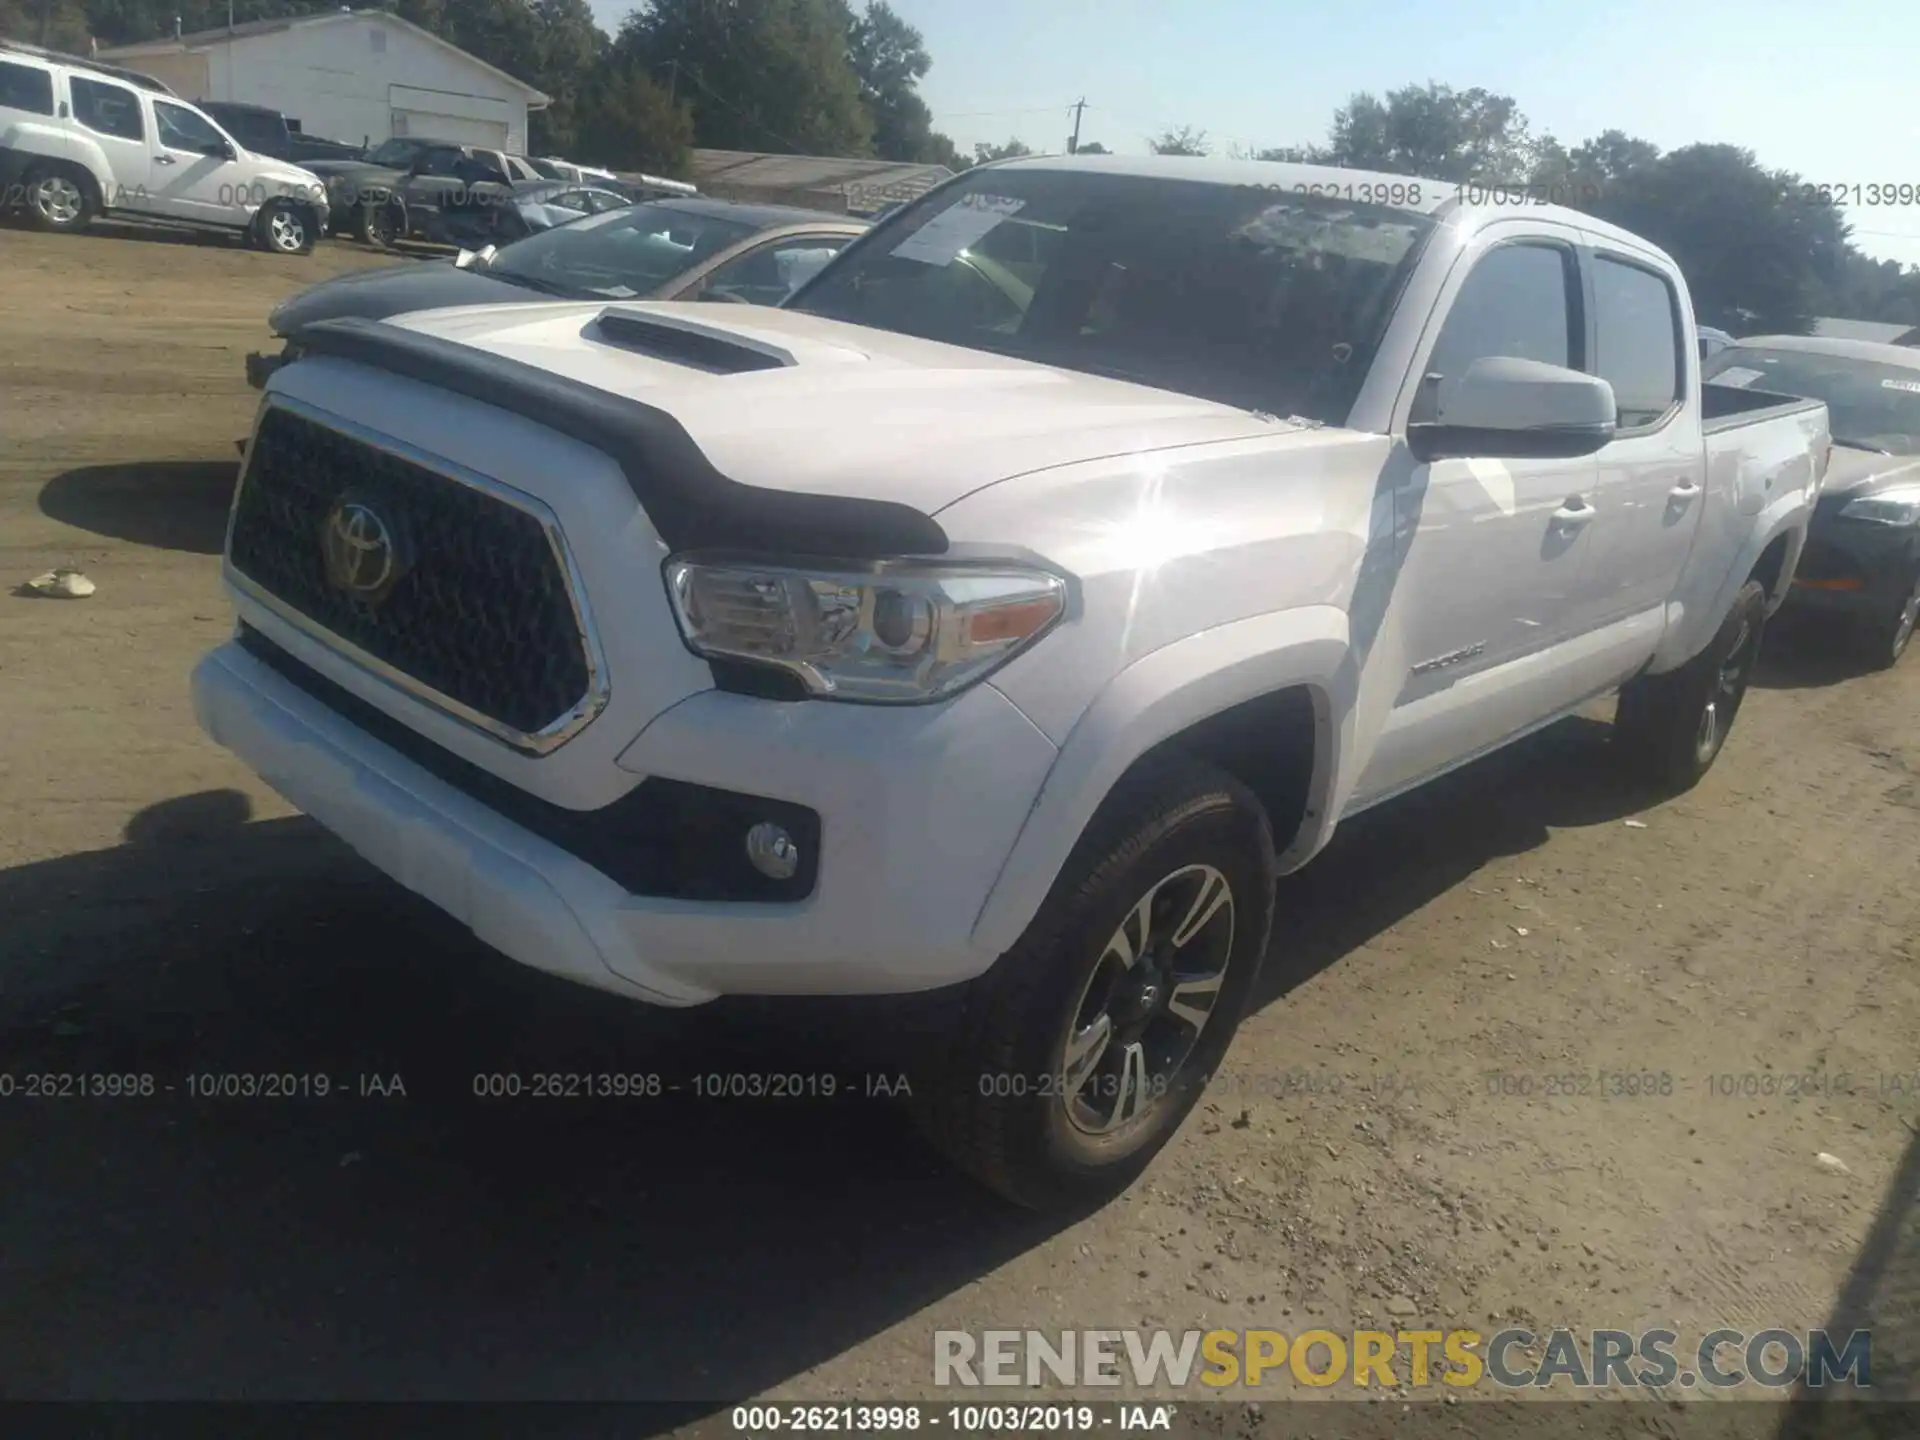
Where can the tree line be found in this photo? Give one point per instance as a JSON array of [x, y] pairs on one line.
[[1762, 249]]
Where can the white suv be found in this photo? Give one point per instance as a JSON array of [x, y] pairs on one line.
[[80, 140]]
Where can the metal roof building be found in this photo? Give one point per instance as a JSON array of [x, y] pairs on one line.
[[1879, 332], [814, 182]]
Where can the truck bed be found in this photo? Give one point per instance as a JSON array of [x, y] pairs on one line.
[[1728, 407]]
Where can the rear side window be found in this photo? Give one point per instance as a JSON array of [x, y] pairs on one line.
[[1517, 303], [23, 87], [1637, 340], [106, 109]]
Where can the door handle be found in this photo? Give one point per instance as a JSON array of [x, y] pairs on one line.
[[1575, 513], [1685, 490], [163, 160]]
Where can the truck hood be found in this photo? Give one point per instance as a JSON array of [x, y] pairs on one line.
[[394, 290], [848, 410], [1861, 472]]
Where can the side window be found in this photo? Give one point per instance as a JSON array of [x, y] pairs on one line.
[[179, 128], [439, 161], [26, 87], [768, 275], [106, 109], [1519, 303], [1637, 340], [599, 201]]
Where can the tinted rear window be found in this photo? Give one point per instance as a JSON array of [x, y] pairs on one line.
[[1253, 297], [24, 87]]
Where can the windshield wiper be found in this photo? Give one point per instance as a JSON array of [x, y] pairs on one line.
[[529, 282]]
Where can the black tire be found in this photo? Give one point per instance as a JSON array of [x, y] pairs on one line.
[[1663, 720], [1000, 1107], [1885, 638], [379, 223], [284, 227], [60, 198]]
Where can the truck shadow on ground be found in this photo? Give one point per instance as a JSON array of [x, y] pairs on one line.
[[1881, 1296], [1804, 653], [437, 1243], [169, 504]]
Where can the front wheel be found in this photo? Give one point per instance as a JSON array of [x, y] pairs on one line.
[[1887, 637], [1675, 725], [380, 223], [285, 228], [1087, 1043]]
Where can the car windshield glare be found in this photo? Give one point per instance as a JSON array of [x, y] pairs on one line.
[[1868, 403], [1253, 296], [620, 254], [393, 152]]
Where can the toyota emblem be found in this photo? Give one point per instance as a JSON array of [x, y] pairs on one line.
[[362, 551]]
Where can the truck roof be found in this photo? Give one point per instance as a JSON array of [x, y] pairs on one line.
[[1436, 197]]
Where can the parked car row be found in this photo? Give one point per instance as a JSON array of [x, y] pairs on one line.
[[79, 141], [997, 614], [678, 249]]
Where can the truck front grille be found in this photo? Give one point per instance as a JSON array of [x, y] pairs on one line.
[[461, 594]]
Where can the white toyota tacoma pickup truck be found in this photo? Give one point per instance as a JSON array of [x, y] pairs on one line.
[[1006, 610]]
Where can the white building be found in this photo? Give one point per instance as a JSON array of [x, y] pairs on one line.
[[353, 75]]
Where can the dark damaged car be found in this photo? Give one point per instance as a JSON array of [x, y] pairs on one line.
[[1862, 560]]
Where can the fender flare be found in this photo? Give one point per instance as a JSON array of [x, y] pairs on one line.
[[1157, 697], [29, 145], [1686, 635]]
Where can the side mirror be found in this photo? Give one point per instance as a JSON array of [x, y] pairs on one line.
[[476, 259], [1508, 409], [223, 150]]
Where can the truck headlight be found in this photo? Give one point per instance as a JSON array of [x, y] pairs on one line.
[[897, 632], [1900, 506]]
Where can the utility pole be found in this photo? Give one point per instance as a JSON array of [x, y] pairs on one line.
[[1073, 145], [673, 81]]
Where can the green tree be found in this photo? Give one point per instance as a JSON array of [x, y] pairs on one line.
[[627, 122], [60, 24], [1092, 147], [889, 60], [1184, 141], [759, 74], [1757, 257], [1435, 132], [983, 152]]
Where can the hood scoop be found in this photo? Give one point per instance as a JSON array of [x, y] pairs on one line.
[[688, 342]]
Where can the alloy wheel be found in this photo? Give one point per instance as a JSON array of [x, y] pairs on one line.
[[287, 232], [1729, 688], [58, 199], [1147, 1001]]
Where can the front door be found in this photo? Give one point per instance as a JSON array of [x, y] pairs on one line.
[[193, 178], [1494, 565]]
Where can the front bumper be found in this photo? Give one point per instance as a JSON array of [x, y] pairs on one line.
[[918, 810], [1855, 567], [261, 366]]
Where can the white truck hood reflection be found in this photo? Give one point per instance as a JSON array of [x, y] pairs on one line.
[[851, 410]]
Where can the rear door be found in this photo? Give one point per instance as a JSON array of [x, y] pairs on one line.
[[1652, 476], [111, 116]]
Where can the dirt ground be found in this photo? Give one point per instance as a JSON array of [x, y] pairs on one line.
[[1383, 1147]]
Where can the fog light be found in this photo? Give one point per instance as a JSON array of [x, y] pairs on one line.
[[772, 851]]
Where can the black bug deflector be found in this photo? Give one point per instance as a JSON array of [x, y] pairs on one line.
[[691, 504]]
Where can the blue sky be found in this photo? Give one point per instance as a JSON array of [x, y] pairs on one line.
[[1825, 90]]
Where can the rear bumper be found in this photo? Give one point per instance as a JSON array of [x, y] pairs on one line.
[[914, 836]]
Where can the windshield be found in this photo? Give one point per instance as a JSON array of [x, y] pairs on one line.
[[1868, 403], [621, 254], [1250, 296], [395, 152], [548, 169]]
